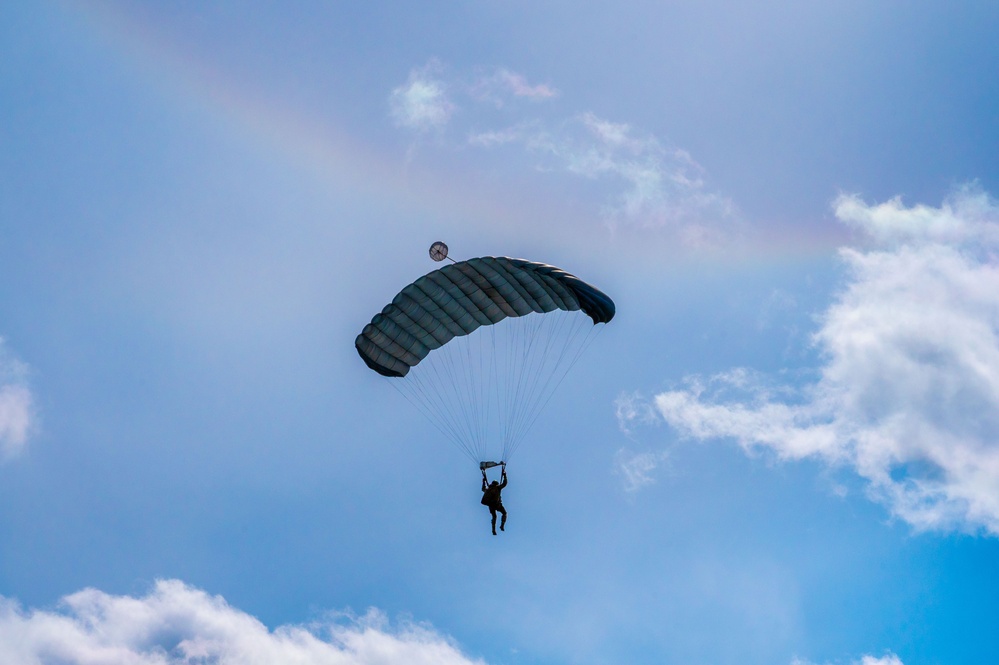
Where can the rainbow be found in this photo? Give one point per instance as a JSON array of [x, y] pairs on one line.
[[318, 144]]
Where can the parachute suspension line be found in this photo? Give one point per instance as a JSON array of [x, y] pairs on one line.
[[533, 351], [438, 378], [461, 383], [491, 391], [517, 354], [477, 389], [439, 404], [590, 335], [527, 334], [508, 378], [517, 336], [451, 388], [560, 370], [473, 389], [535, 354], [488, 368], [442, 424], [441, 375], [486, 407], [463, 370]]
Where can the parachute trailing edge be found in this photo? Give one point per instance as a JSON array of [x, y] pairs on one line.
[[459, 298]]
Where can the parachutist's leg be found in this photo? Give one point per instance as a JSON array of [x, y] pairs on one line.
[[502, 521], [492, 511]]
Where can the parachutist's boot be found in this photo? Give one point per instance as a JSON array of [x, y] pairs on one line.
[[503, 524]]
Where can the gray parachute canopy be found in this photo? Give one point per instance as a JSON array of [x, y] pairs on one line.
[[459, 298]]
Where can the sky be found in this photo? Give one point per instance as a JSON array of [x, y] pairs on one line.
[[783, 450]]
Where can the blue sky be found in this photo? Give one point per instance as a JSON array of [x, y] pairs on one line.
[[783, 450]]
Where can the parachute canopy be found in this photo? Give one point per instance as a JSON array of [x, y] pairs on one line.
[[459, 298], [480, 346]]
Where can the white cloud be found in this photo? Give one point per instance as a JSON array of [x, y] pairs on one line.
[[633, 408], [636, 469], [645, 183], [657, 187], [497, 137], [616, 135], [175, 624], [16, 406], [496, 88], [422, 104], [908, 395], [888, 659], [968, 217]]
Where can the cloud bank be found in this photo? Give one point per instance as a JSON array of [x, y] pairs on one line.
[[645, 183], [908, 392], [16, 407], [175, 624]]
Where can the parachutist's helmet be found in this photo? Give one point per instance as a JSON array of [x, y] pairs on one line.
[[494, 483]]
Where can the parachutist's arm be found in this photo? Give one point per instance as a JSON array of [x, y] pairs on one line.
[[484, 482]]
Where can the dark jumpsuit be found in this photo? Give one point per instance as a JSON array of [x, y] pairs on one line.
[[491, 498]]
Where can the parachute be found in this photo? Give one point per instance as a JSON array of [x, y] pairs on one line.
[[480, 346]]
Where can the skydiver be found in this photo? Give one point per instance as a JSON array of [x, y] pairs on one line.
[[491, 498]]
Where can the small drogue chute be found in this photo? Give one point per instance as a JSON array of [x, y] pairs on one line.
[[438, 252], [481, 345]]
